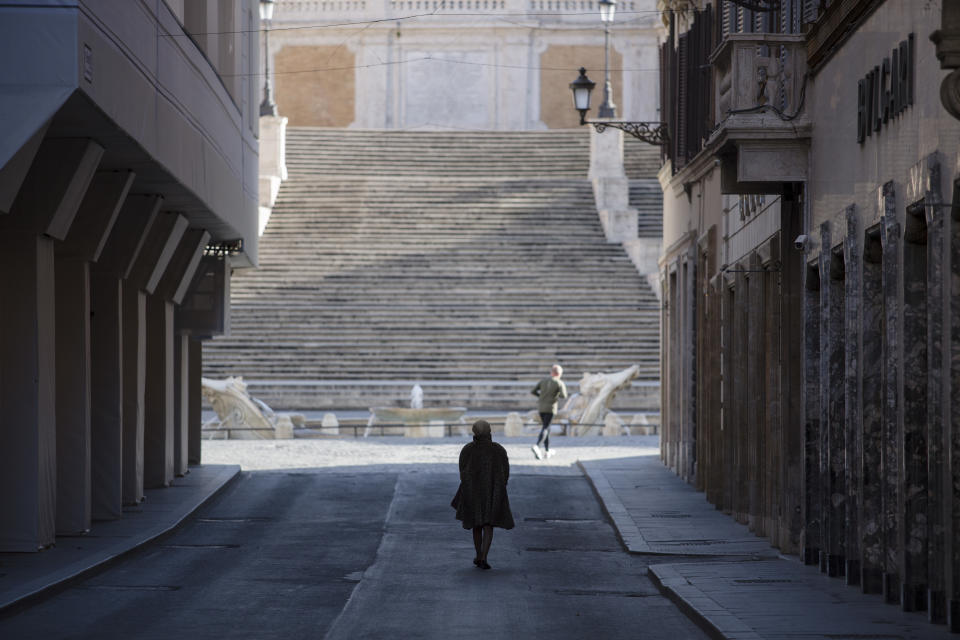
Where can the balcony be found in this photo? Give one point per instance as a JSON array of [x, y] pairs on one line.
[[762, 130]]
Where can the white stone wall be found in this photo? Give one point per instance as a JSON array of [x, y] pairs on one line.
[[471, 64]]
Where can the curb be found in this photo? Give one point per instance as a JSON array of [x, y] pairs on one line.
[[58, 584], [714, 619], [627, 531]]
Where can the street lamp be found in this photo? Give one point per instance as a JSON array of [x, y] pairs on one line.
[[581, 88], [268, 107], [608, 9], [650, 132]]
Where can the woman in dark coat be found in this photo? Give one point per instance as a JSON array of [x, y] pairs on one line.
[[481, 501]]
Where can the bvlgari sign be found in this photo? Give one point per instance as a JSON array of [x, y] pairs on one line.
[[885, 91]]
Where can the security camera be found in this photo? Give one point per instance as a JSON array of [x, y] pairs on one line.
[[801, 242]]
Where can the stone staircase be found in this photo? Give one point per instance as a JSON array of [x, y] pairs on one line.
[[467, 262]]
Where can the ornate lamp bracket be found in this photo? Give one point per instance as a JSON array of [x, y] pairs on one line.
[[654, 133]]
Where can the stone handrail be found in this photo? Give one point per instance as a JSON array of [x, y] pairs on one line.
[[753, 71]]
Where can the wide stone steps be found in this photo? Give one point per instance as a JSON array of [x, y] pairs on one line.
[[531, 152], [467, 262]]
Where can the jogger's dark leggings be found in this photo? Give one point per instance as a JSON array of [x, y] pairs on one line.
[[545, 431]]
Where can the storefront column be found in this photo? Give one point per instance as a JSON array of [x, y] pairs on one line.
[[953, 440], [163, 239], [937, 493], [172, 288], [871, 469], [774, 462], [853, 445], [688, 434], [41, 213], [134, 381], [194, 413], [73, 394], [755, 398], [913, 418], [892, 436], [158, 440], [741, 390], [812, 543], [728, 442], [833, 492], [790, 353], [181, 403], [106, 394], [28, 436], [117, 301], [84, 243]]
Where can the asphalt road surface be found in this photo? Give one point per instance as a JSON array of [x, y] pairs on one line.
[[326, 554]]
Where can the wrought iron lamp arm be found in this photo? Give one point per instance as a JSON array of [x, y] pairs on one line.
[[654, 133]]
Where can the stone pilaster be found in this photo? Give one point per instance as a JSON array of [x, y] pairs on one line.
[[158, 466], [791, 358], [937, 487], [832, 424], [953, 440], [134, 381], [195, 371], [775, 460], [27, 395], [913, 417], [689, 366], [812, 537], [728, 445], [892, 436], [106, 398], [112, 288], [83, 244], [871, 402], [853, 444], [73, 395], [742, 392], [181, 403], [755, 399]]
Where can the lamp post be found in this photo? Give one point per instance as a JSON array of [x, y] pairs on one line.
[[650, 132], [268, 107], [607, 10]]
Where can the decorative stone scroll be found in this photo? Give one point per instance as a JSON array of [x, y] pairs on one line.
[[240, 416], [586, 412]]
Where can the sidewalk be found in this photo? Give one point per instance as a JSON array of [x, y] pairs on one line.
[[731, 582], [25, 577]]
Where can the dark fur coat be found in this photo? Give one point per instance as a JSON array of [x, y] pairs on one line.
[[482, 496]]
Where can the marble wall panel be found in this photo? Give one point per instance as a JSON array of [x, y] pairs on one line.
[[892, 425], [871, 402], [812, 537], [953, 457], [914, 415], [936, 433], [853, 445]]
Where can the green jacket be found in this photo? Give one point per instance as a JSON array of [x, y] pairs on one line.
[[549, 390]]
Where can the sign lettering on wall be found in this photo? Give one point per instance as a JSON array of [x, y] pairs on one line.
[[886, 91]]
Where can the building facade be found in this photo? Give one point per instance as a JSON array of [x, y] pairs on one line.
[[811, 327], [463, 64], [128, 173]]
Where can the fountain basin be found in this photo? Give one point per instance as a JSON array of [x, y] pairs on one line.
[[417, 423]]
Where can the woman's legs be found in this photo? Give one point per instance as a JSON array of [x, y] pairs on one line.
[[485, 546], [477, 540]]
